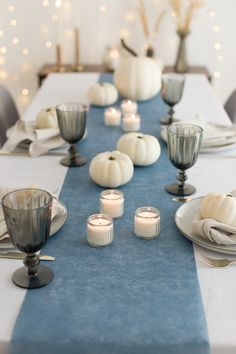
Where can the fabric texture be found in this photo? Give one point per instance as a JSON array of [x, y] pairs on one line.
[[40, 141], [134, 296], [216, 232]]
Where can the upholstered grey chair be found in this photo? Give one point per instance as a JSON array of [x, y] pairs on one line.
[[8, 112], [230, 107]]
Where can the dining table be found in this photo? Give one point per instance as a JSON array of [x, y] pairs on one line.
[[133, 296]]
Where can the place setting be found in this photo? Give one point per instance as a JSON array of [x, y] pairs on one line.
[[47, 134], [58, 217]]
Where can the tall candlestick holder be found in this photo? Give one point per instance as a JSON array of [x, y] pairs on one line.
[[77, 66], [59, 66]]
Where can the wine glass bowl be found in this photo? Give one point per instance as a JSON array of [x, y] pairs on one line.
[[171, 93], [184, 140], [27, 214], [72, 123]]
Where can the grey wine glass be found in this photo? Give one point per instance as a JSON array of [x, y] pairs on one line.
[[171, 92], [28, 218], [184, 142], [72, 124]]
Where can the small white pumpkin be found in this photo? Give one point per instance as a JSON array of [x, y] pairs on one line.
[[111, 169], [143, 149], [220, 207], [138, 78], [102, 94], [47, 118]]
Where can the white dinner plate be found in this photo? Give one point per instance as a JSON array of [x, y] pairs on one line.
[[57, 222], [183, 219], [221, 146]]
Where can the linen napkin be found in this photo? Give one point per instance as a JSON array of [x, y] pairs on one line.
[[40, 140], [57, 211], [216, 232], [215, 134]]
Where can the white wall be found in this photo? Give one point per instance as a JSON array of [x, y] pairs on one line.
[[35, 27]]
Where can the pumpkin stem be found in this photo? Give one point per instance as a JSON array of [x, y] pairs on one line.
[[228, 195], [126, 47], [48, 109], [111, 158], [139, 137]]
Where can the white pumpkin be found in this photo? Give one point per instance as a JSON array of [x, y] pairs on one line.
[[143, 149], [220, 207], [111, 169], [102, 94], [138, 78], [47, 118]]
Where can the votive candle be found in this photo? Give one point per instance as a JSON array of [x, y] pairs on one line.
[[131, 122], [128, 107], [112, 116], [112, 203], [99, 230], [147, 223]]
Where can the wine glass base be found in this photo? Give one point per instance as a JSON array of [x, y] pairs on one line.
[[75, 162], [44, 277], [174, 189], [168, 120]]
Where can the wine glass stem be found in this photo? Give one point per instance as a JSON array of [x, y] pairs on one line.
[[31, 261], [171, 114], [73, 151], [181, 178]]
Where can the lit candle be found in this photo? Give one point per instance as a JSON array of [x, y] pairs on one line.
[[147, 223], [131, 122], [112, 203], [129, 107], [112, 116], [99, 230]]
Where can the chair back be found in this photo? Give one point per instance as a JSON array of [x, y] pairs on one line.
[[230, 107], [8, 113]]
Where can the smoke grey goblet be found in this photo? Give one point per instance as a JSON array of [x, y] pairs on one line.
[[184, 142], [72, 124], [171, 93], [28, 218]]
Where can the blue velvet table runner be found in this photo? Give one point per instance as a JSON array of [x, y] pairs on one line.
[[135, 296]]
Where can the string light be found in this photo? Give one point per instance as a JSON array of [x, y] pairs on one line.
[[2, 60], [211, 14], [25, 92], [54, 17], [216, 28], [58, 3], [102, 8], [124, 33], [173, 14], [15, 40], [129, 17], [3, 50], [217, 46], [1, 33], [25, 51], [217, 74], [45, 3], [11, 8], [13, 22], [48, 44]]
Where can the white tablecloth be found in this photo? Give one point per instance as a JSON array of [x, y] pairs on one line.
[[211, 173]]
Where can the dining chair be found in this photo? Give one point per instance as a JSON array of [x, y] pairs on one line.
[[230, 106], [8, 112]]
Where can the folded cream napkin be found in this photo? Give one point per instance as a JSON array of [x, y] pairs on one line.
[[40, 140], [57, 211], [215, 134], [216, 232]]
